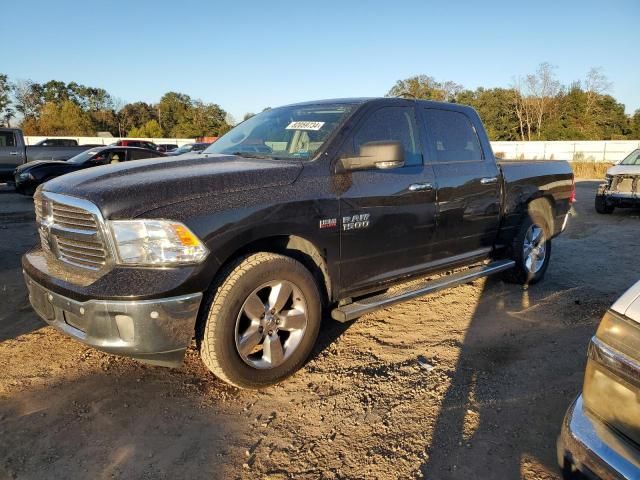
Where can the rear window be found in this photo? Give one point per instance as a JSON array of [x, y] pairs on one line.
[[7, 139], [451, 136]]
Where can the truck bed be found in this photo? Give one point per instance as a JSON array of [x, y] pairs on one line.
[[523, 179]]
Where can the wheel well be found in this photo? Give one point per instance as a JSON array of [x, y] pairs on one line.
[[295, 247], [545, 207]]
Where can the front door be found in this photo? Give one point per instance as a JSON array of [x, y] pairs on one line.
[[11, 155], [387, 217]]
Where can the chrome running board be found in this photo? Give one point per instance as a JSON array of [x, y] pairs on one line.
[[362, 306]]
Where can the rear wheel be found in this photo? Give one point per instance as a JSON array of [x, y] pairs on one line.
[[531, 251], [602, 206], [262, 321]]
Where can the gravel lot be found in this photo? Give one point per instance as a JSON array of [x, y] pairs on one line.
[[469, 383]]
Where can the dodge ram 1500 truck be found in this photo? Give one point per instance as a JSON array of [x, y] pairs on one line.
[[14, 152], [319, 206]]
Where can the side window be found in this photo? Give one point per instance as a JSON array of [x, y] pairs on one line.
[[391, 123], [451, 136], [117, 156], [7, 139], [140, 154], [100, 159]]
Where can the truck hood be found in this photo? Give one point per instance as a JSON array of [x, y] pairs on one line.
[[624, 170], [127, 190]]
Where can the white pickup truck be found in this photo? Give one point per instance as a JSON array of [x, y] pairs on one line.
[[622, 185]]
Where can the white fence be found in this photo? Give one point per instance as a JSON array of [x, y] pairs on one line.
[[576, 151], [32, 140]]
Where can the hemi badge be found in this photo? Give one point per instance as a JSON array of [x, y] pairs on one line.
[[328, 223]]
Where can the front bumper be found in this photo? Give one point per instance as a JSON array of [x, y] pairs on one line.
[[153, 331], [588, 446], [23, 185], [618, 198]]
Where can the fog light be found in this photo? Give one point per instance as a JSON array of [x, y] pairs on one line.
[[125, 327]]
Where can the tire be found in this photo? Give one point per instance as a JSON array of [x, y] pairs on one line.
[[233, 321], [523, 273], [602, 206]]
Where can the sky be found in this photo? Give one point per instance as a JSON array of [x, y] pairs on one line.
[[248, 55]]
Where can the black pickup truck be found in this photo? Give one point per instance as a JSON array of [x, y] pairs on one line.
[[322, 206], [14, 152]]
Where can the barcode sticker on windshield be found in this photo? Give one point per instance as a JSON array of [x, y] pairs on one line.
[[305, 125]]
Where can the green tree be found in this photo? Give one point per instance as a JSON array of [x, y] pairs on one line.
[[172, 110], [134, 115], [635, 125], [150, 129], [496, 109], [200, 120], [55, 91], [6, 112], [64, 119], [425, 87]]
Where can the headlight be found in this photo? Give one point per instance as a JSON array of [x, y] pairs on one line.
[[25, 176], [156, 243], [612, 379], [621, 334], [608, 178]]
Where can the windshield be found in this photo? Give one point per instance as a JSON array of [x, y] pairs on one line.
[[285, 132], [84, 156], [632, 159], [184, 149]]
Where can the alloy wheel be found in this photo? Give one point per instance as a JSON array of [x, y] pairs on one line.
[[271, 324]]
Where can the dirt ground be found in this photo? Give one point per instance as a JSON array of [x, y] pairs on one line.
[[469, 383]]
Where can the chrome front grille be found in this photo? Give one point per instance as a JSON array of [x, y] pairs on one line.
[[70, 229], [626, 183]]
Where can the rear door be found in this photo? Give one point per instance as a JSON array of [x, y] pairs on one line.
[[387, 216], [11, 154], [468, 183]]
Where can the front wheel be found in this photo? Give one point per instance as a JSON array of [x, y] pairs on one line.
[[602, 206], [531, 251], [262, 321]]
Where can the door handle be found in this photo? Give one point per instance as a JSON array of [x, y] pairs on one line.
[[420, 187], [13, 153], [488, 180]]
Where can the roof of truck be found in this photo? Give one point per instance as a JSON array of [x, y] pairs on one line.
[[361, 100]]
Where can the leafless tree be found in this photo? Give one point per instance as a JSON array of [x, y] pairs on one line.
[[523, 107], [450, 90], [596, 84], [535, 94], [543, 87]]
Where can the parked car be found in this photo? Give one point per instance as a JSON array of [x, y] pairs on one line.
[[622, 185], [30, 175], [167, 147], [136, 143], [14, 152], [57, 142], [600, 435], [244, 249], [188, 148]]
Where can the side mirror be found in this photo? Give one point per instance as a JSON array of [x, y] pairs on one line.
[[383, 154]]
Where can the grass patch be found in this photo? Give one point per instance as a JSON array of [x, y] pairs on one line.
[[590, 169]]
